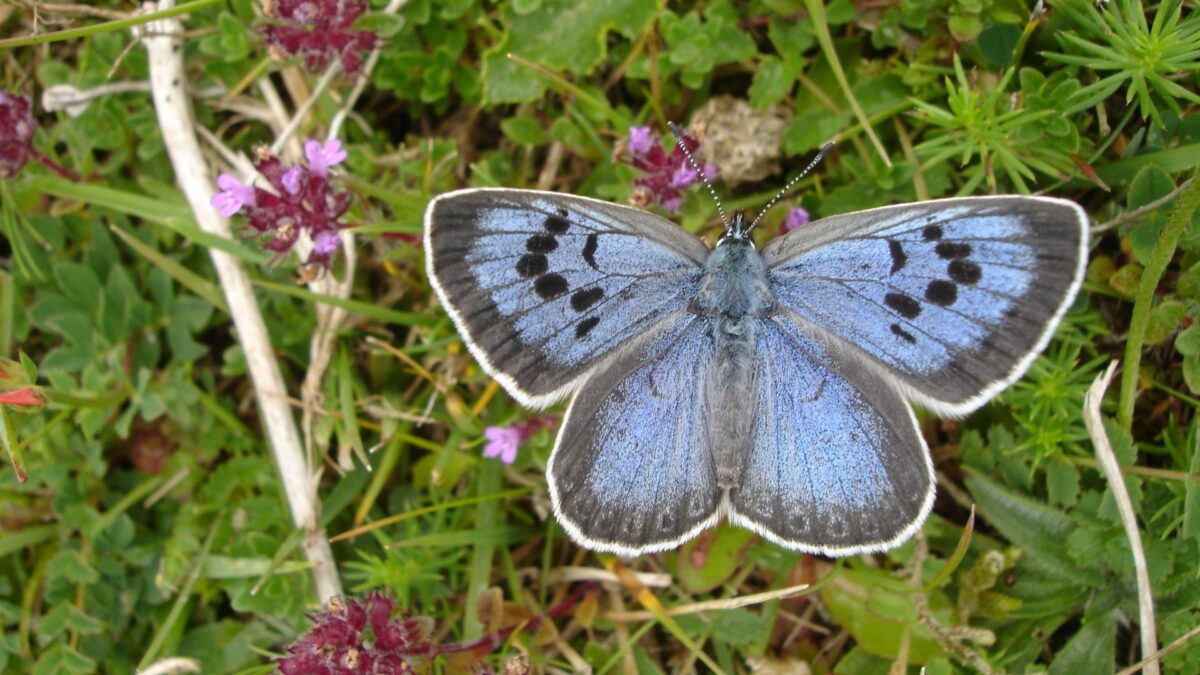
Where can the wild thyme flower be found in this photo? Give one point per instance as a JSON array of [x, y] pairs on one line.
[[16, 133], [796, 218], [17, 127], [303, 199], [319, 30], [667, 175], [502, 442], [353, 637]]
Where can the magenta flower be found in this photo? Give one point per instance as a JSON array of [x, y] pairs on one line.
[[16, 133], [797, 217], [291, 180], [321, 157], [319, 30], [301, 201], [666, 175], [353, 637], [640, 140], [233, 195], [502, 442]]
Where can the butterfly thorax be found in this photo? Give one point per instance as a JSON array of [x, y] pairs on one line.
[[732, 298]]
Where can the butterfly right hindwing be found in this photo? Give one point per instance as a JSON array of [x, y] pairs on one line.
[[632, 471], [544, 286]]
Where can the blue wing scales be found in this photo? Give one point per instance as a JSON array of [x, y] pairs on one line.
[[954, 298], [837, 465], [545, 286], [632, 471]]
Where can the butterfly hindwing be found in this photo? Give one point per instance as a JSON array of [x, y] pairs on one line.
[[632, 471], [837, 465], [953, 297], [544, 286]]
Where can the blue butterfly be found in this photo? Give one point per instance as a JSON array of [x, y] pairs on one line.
[[768, 388]]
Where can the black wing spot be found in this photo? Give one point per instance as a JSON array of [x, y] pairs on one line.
[[589, 250], [557, 224], [550, 286], [964, 271], [932, 232], [582, 300], [905, 305], [532, 264], [899, 260], [941, 292], [541, 243], [903, 334], [586, 326], [952, 250]]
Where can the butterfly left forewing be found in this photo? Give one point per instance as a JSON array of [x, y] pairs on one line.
[[837, 465], [544, 287], [953, 298]]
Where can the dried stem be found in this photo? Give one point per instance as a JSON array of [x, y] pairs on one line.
[[172, 105]]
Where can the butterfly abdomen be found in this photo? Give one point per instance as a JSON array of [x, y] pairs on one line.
[[732, 297]]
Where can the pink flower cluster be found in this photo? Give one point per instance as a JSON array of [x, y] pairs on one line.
[[666, 174], [303, 200], [340, 643], [797, 217], [502, 442], [16, 133], [319, 30]]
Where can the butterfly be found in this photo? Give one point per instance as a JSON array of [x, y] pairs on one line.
[[769, 388]]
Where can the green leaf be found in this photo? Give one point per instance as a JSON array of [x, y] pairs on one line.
[[1164, 318], [772, 82], [564, 35], [877, 610], [1039, 531], [1091, 650], [1122, 442], [1191, 502], [997, 43], [1191, 372], [524, 130], [1062, 482], [706, 562], [79, 283], [965, 27], [737, 626], [1150, 183]]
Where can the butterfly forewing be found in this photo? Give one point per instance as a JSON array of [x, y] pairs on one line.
[[632, 470], [545, 286], [953, 297], [837, 465]]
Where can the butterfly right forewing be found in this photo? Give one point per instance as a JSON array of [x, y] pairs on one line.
[[544, 287]]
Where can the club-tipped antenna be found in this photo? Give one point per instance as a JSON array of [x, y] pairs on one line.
[[791, 183], [699, 171]]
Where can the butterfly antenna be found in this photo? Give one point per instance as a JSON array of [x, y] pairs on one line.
[[699, 171], [775, 200]]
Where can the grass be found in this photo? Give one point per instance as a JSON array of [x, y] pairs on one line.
[[173, 457]]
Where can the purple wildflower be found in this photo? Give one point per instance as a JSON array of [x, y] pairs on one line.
[[355, 637], [302, 201], [665, 174], [321, 157], [797, 217], [233, 195], [502, 442], [319, 30], [291, 180], [16, 133], [640, 140]]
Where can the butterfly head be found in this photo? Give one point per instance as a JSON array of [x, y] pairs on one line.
[[737, 232]]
